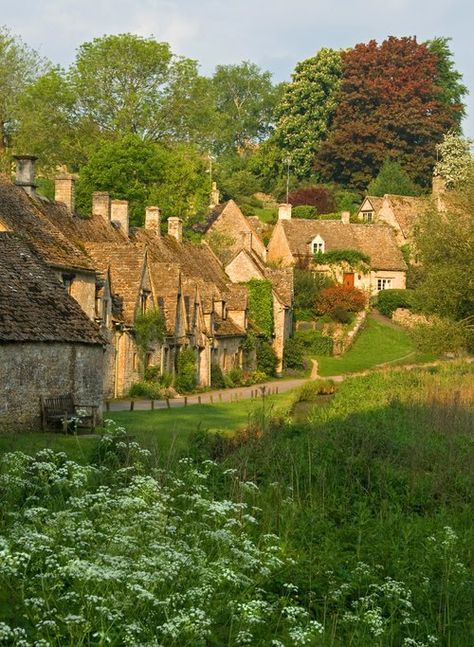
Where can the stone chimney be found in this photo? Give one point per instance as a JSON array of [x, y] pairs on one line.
[[215, 196], [152, 219], [438, 192], [119, 214], [175, 228], [284, 211], [64, 190], [346, 217], [25, 173], [101, 205]]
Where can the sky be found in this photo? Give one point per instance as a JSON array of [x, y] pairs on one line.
[[275, 34]]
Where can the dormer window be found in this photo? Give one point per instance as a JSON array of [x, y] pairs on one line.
[[367, 216], [317, 245], [67, 281]]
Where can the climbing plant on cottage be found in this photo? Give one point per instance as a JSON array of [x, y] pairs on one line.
[[260, 306]]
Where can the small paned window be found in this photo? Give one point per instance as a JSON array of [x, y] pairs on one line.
[[368, 216], [67, 282], [317, 246], [384, 284]]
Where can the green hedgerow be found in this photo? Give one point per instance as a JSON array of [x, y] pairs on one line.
[[389, 300]]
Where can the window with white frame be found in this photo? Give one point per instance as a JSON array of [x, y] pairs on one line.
[[368, 216], [384, 284], [317, 245]]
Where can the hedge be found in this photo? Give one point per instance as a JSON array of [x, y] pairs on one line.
[[314, 342], [260, 306], [389, 300]]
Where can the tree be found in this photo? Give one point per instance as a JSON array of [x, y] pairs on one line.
[[454, 159], [449, 79], [129, 84], [317, 196], [392, 179], [145, 173], [307, 108], [19, 66], [48, 125], [245, 101], [390, 106], [445, 245]]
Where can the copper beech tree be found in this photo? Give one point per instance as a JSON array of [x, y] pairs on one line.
[[391, 105]]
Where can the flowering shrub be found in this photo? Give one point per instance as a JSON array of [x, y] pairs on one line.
[[340, 296], [100, 556]]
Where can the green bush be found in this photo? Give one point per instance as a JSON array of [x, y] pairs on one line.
[[389, 300], [266, 359], [293, 354], [341, 315], [235, 376], [441, 335], [260, 305], [152, 374], [185, 381], [305, 211], [314, 342], [217, 377], [145, 389]]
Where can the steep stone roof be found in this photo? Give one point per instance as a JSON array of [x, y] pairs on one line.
[[282, 282], [406, 210], [226, 328], [26, 216], [34, 306], [126, 264], [377, 241], [92, 229]]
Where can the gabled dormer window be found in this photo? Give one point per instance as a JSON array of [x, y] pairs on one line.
[[368, 216], [317, 245]]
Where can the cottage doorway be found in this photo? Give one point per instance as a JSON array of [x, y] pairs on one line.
[[348, 279]]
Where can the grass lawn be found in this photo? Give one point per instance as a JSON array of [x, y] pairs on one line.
[[266, 215], [376, 344], [164, 432]]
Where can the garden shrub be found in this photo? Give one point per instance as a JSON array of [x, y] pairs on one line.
[[314, 342], [307, 287], [266, 359], [305, 211], [389, 300], [152, 373], [165, 379], [310, 390], [293, 354], [217, 377], [146, 389], [185, 381], [441, 335], [235, 376], [149, 328], [349, 298], [341, 315]]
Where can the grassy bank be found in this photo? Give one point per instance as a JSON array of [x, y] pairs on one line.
[[375, 344]]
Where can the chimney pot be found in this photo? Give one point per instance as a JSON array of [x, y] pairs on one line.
[[25, 173], [345, 217], [284, 211], [101, 205], [215, 196], [119, 214], [175, 228], [64, 190], [153, 219]]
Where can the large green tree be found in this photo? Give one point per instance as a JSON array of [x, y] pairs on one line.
[[449, 79], [19, 66], [390, 105], [145, 173], [307, 108], [445, 244], [454, 160], [245, 101]]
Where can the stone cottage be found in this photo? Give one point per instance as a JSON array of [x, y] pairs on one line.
[[297, 241], [399, 211], [48, 346]]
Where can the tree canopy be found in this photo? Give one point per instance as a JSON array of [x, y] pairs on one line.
[[389, 105], [392, 179]]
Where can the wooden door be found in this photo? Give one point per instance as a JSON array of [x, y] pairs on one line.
[[348, 279]]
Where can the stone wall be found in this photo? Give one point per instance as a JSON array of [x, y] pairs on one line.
[[408, 319], [31, 370]]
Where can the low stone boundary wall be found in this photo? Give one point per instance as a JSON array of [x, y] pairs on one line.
[[406, 318], [343, 344]]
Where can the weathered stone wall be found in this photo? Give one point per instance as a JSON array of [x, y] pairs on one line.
[[31, 370], [408, 319]]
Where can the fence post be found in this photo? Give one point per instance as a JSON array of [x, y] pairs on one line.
[[107, 405], [185, 400], [199, 399], [132, 405], [211, 399], [152, 405], [168, 403]]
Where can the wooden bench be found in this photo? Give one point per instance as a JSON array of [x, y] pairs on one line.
[[61, 413]]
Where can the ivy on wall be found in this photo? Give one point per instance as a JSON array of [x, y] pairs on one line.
[[150, 328], [260, 306], [353, 257]]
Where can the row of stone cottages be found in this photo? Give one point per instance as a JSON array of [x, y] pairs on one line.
[[114, 272], [72, 287]]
